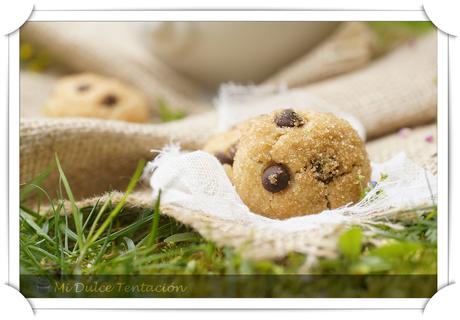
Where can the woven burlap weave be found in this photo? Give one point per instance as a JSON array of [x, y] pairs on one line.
[[399, 90]]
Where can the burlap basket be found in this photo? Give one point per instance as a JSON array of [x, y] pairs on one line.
[[398, 90]]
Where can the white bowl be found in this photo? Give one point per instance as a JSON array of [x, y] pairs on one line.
[[217, 52]]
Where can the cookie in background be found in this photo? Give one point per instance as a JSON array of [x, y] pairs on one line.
[[95, 96]]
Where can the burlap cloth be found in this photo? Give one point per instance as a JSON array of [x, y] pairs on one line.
[[115, 49], [398, 90], [86, 46], [256, 243], [349, 48]]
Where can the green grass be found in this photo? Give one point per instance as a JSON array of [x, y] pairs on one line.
[[32, 58], [107, 239], [167, 113]]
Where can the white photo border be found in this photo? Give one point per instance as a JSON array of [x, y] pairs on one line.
[[231, 303]]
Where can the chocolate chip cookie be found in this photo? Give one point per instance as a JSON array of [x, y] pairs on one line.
[[91, 95], [224, 146], [292, 163]]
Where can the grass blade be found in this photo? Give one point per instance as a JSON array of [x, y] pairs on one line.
[[156, 221], [99, 215], [66, 237], [29, 220], [166, 113], [88, 218], [44, 252], [132, 184], [30, 255], [183, 237], [129, 244], [69, 234], [125, 230], [29, 187], [75, 212], [57, 233], [103, 249]]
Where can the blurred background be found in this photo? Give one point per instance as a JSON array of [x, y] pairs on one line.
[[196, 78], [179, 66]]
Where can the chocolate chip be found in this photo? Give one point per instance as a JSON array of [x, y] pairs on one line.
[[83, 87], [223, 158], [288, 118], [325, 170], [109, 100], [276, 178]]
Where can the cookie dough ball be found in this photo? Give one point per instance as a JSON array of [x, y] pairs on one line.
[[224, 145], [292, 163], [90, 95]]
